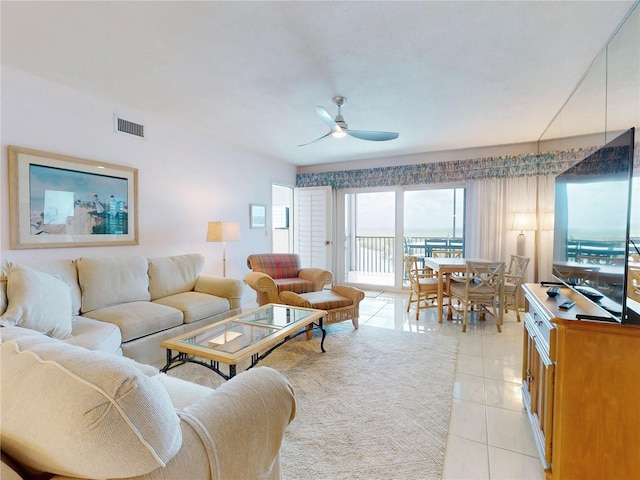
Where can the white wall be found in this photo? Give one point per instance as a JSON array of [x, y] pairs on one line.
[[185, 179]]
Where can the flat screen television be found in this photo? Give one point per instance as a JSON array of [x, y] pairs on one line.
[[597, 229]]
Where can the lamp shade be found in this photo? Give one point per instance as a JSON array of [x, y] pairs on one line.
[[223, 232], [524, 221]]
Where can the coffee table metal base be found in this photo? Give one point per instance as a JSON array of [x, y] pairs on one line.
[[213, 365]]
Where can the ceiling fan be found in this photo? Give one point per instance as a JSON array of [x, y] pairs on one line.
[[340, 129]]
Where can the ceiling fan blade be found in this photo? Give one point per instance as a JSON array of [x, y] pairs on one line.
[[373, 136], [326, 118], [317, 139]]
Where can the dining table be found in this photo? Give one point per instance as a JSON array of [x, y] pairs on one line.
[[444, 267]]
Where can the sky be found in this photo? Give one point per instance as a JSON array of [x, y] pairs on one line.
[[426, 213], [599, 209], [596, 211]]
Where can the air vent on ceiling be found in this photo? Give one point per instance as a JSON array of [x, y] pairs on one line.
[[128, 127]]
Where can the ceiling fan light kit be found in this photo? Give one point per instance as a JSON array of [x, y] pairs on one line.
[[340, 129], [338, 133]]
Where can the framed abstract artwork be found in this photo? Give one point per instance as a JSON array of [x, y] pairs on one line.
[[60, 201], [258, 215]]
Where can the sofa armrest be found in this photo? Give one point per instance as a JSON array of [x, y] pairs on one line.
[[242, 423], [318, 276], [228, 288], [232, 432], [265, 287]]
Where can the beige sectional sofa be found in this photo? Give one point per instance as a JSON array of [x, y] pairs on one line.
[[119, 304], [71, 413]]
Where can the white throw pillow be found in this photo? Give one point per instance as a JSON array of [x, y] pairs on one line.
[[37, 301], [65, 270]]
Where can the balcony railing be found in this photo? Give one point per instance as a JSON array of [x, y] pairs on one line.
[[376, 255], [593, 248], [373, 255]]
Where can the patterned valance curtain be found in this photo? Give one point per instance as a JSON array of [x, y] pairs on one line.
[[499, 187], [456, 171]]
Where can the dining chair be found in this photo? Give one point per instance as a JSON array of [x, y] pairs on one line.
[[446, 254], [449, 254], [424, 285], [481, 288], [633, 287], [578, 275], [513, 279]]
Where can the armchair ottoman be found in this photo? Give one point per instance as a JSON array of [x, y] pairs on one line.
[[342, 303]]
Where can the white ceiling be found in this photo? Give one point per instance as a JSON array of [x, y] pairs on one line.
[[446, 75]]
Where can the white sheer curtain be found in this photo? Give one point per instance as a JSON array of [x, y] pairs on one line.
[[546, 198], [491, 207], [488, 212]]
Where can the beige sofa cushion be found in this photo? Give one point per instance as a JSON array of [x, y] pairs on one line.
[[95, 335], [139, 319], [195, 306], [171, 275], [38, 301], [107, 281], [101, 416]]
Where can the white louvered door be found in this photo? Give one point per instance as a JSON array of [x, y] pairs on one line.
[[313, 238]]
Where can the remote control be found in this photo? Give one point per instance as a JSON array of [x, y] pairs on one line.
[[553, 291], [567, 304]]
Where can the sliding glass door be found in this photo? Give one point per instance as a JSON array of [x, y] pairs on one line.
[[368, 254], [377, 228]]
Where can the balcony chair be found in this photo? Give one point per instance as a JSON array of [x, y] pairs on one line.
[[424, 285], [513, 279], [273, 273], [599, 260], [482, 287]]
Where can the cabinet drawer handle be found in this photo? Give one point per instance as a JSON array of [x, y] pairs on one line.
[[538, 322]]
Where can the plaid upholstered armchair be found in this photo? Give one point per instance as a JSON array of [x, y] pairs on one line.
[[273, 273]]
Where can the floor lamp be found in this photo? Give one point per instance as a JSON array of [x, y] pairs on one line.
[[523, 221], [223, 232]]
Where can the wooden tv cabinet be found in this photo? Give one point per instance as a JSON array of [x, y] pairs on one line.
[[581, 389]]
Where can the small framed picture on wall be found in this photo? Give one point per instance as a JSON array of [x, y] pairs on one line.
[[258, 215]]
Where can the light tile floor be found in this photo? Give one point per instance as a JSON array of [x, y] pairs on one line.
[[489, 432]]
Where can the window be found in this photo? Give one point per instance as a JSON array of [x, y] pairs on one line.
[[433, 220]]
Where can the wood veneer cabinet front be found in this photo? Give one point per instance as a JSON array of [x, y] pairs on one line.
[[581, 389]]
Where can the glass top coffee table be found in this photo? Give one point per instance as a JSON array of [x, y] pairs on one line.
[[245, 335]]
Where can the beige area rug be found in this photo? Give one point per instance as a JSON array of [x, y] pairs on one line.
[[376, 405]]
